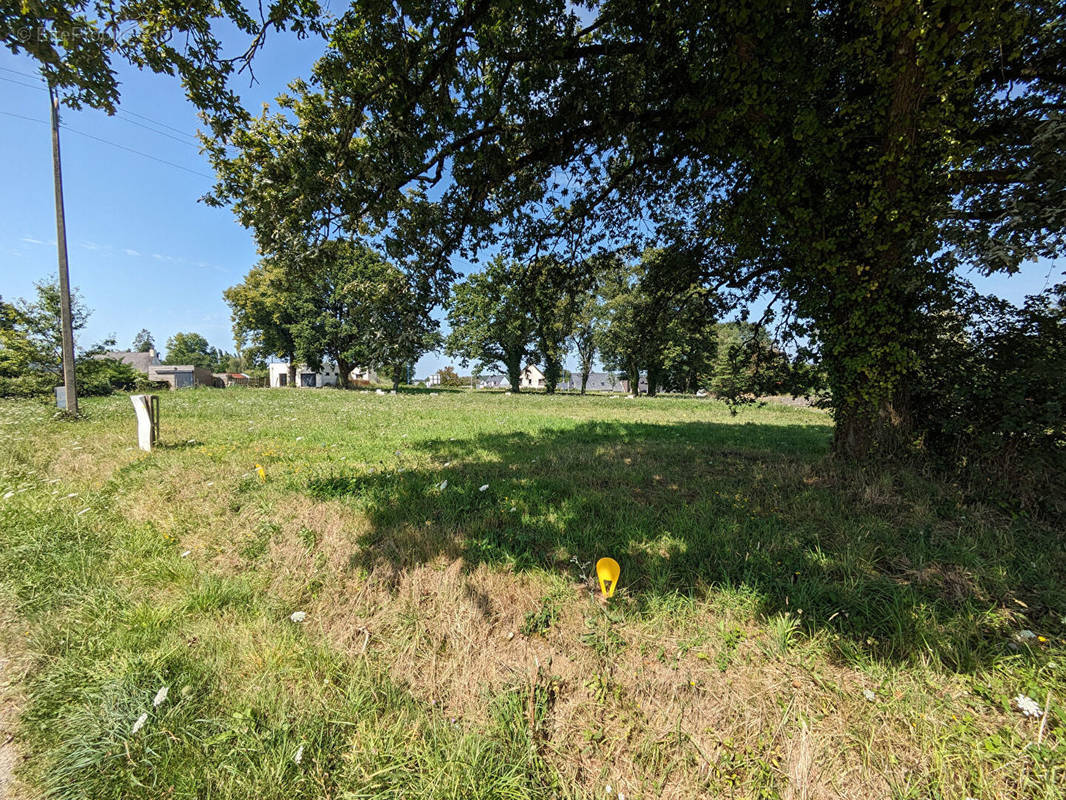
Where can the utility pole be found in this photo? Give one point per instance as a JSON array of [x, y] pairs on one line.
[[64, 274]]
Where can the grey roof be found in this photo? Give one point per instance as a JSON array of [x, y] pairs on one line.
[[139, 361], [597, 380]]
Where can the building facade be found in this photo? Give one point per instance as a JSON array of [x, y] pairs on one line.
[[308, 378]]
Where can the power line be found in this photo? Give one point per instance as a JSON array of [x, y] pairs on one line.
[[156, 122], [161, 133], [113, 144], [122, 112], [24, 85]]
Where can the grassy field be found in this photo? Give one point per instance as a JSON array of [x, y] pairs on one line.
[[783, 628]]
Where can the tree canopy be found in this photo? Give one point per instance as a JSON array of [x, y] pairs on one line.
[[76, 43], [143, 341], [841, 159], [490, 321], [191, 348]]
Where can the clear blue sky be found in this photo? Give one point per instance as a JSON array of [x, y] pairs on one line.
[[143, 251]]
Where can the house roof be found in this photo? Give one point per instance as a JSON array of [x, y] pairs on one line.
[[139, 361]]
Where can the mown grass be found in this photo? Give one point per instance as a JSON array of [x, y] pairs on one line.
[[454, 645]]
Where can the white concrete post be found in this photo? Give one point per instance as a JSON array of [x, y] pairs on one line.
[[147, 408]]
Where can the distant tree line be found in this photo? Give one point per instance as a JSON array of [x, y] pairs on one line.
[[621, 312]]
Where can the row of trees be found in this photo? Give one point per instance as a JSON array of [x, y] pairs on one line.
[[340, 301], [845, 160], [648, 315]]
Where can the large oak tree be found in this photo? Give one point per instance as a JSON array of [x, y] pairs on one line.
[[843, 159]]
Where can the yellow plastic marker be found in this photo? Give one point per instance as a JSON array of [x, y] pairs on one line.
[[608, 570], [262, 473]]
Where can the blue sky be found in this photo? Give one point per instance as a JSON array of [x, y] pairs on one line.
[[143, 251]]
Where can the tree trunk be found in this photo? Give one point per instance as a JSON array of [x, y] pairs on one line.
[[292, 370], [653, 380], [344, 369], [871, 431], [397, 376], [584, 379], [514, 375], [551, 375], [633, 376]]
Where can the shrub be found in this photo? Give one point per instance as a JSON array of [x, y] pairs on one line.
[[989, 400], [34, 384], [102, 376]]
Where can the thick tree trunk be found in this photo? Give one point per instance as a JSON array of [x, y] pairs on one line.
[[397, 376], [871, 431], [584, 380], [551, 376], [292, 370], [344, 369], [633, 376], [653, 380], [514, 375]]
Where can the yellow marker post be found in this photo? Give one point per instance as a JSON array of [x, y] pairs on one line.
[[607, 570], [262, 473]]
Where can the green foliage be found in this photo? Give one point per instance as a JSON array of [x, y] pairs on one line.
[[449, 377], [586, 334], [989, 400], [76, 42], [748, 364], [33, 384], [262, 311], [332, 306], [192, 348], [102, 376], [657, 320], [143, 341], [339, 301], [490, 322], [31, 336], [552, 293], [844, 159]]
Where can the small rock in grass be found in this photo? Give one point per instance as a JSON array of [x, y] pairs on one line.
[[1027, 705], [483, 488], [869, 695], [298, 616]]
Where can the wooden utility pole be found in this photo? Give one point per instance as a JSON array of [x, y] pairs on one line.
[[64, 273]]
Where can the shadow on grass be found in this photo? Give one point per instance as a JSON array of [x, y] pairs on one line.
[[895, 566]]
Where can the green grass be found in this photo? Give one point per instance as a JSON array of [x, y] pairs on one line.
[[454, 644]]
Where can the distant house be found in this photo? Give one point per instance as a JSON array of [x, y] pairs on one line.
[[532, 378], [328, 375], [597, 382], [179, 376], [231, 378], [642, 385], [493, 382], [433, 380]]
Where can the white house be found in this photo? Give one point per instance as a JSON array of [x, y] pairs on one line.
[[532, 378], [493, 382], [306, 377]]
